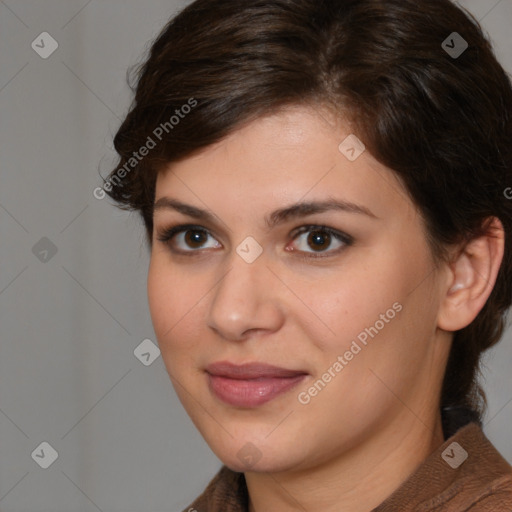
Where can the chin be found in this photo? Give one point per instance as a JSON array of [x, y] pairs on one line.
[[263, 465], [247, 453]]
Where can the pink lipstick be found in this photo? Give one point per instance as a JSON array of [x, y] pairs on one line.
[[250, 384]]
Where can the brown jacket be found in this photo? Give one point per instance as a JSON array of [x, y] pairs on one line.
[[465, 474]]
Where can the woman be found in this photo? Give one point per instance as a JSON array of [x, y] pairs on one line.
[[322, 185]]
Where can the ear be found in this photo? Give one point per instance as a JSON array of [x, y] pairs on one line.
[[471, 278]]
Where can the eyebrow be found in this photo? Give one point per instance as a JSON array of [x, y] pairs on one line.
[[301, 209]]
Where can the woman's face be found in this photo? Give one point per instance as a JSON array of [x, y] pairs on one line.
[[343, 299]]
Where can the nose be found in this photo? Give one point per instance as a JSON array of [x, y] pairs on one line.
[[245, 301]]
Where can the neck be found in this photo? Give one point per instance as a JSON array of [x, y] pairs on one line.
[[357, 481]]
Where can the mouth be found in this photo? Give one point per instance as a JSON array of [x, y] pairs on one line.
[[251, 384]]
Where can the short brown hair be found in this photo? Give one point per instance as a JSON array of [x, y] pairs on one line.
[[440, 121]]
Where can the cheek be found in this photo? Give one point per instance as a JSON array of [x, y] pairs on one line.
[[158, 297], [369, 313], [176, 303], [344, 304], [385, 345], [168, 298]]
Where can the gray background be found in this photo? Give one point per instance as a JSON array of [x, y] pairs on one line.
[[70, 321]]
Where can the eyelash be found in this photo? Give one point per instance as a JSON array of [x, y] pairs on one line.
[[166, 235]]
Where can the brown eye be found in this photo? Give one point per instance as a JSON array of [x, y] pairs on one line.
[[195, 238], [319, 240], [187, 239]]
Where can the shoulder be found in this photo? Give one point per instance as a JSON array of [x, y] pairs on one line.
[[481, 479], [497, 498], [465, 474]]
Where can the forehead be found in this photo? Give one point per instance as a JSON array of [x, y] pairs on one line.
[[298, 154]]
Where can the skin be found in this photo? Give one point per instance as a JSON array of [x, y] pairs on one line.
[[371, 426]]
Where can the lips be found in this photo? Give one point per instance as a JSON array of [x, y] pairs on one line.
[[250, 371], [250, 384]]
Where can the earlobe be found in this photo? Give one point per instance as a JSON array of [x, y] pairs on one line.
[[471, 278]]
